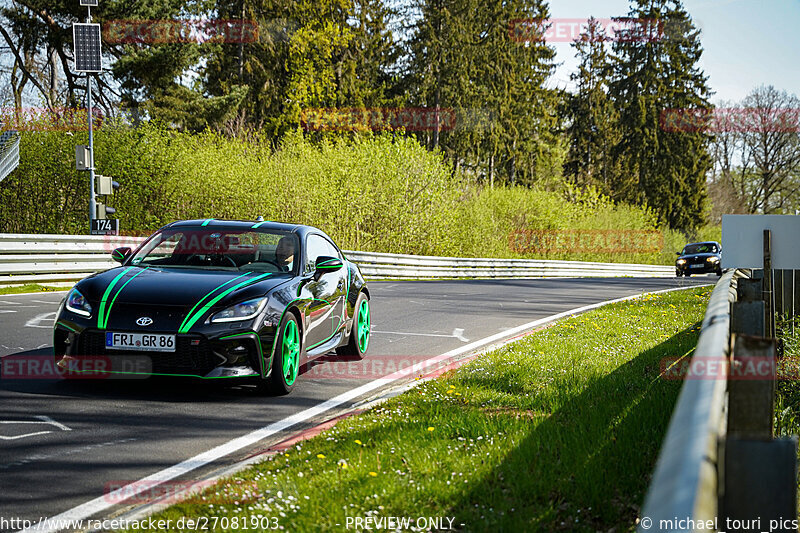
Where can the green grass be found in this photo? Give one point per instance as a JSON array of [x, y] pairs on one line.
[[557, 431], [29, 287]]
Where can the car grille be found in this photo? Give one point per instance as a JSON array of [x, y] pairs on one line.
[[196, 360]]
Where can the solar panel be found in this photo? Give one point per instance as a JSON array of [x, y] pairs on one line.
[[86, 38], [90, 3]]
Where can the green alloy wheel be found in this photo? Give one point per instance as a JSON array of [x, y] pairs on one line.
[[286, 359], [360, 330]]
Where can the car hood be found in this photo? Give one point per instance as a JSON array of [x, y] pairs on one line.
[[170, 292]]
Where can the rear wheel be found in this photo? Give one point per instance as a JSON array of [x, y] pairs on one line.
[[285, 359], [358, 343]]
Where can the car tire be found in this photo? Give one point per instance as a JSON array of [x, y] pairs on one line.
[[719, 272], [285, 358], [358, 343], [678, 273]]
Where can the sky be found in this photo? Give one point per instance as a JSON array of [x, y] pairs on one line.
[[746, 43]]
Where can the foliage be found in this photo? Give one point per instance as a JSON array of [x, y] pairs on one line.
[[374, 193], [656, 70], [593, 121]]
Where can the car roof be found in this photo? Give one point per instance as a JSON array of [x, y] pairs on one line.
[[266, 225], [702, 242]]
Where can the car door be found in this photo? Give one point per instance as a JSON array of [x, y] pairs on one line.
[[325, 314]]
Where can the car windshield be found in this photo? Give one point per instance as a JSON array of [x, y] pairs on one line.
[[700, 248], [221, 249]]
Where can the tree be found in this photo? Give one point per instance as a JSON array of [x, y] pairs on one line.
[[331, 53], [771, 156], [465, 62], [656, 70], [593, 121]]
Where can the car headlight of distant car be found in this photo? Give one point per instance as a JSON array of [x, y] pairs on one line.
[[240, 311], [78, 304], [713, 259], [681, 261]]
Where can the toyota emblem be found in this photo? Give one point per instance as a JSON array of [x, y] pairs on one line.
[[144, 321]]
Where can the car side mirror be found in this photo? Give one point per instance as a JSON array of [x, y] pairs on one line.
[[120, 254], [326, 264], [677, 253]]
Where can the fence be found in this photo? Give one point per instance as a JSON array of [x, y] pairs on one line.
[[719, 462], [65, 258]]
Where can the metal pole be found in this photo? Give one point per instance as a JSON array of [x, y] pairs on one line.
[[769, 295], [92, 202]]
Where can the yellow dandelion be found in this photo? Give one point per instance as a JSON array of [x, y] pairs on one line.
[[430, 428], [373, 474], [359, 442], [320, 456]]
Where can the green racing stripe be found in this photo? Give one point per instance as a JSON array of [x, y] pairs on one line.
[[101, 311], [187, 325], [218, 287]]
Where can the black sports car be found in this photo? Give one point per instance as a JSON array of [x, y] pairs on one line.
[[217, 299], [699, 258]]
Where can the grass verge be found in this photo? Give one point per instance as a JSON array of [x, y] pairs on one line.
[[787, 391], [29, 287], [557, 431]]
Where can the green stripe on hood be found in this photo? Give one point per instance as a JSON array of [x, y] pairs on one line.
[[212, 291], [188, 325], [101, 311]]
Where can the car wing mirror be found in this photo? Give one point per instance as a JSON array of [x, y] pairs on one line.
[[120, 254], [677, 253], [326, 264]]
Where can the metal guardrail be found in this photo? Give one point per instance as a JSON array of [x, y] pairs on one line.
[[62, 258], [684, 484], [9, 153]]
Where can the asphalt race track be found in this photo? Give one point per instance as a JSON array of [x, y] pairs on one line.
[[63, 443]]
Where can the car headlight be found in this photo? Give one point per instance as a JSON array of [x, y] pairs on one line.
[[712, 259], [240, 311], [681, 261], [78, 304]]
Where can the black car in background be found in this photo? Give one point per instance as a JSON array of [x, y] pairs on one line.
[[699, 258], [217, 299]]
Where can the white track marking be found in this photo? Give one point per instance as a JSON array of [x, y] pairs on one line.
[[42, 419], [7, 311], [412, 334], [102, 503], [36, 322], [48, 420], [8, 303], [458, 333], [45, 302], [3, 437]]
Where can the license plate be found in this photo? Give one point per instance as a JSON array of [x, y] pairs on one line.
[[696, 266], [145, 342]]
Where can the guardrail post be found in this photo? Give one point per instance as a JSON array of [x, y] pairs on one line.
[[759, 477], [748, 313], [760, 485], [751, 388]]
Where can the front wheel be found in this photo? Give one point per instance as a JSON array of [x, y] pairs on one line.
[[285, 359], [360, 331]]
